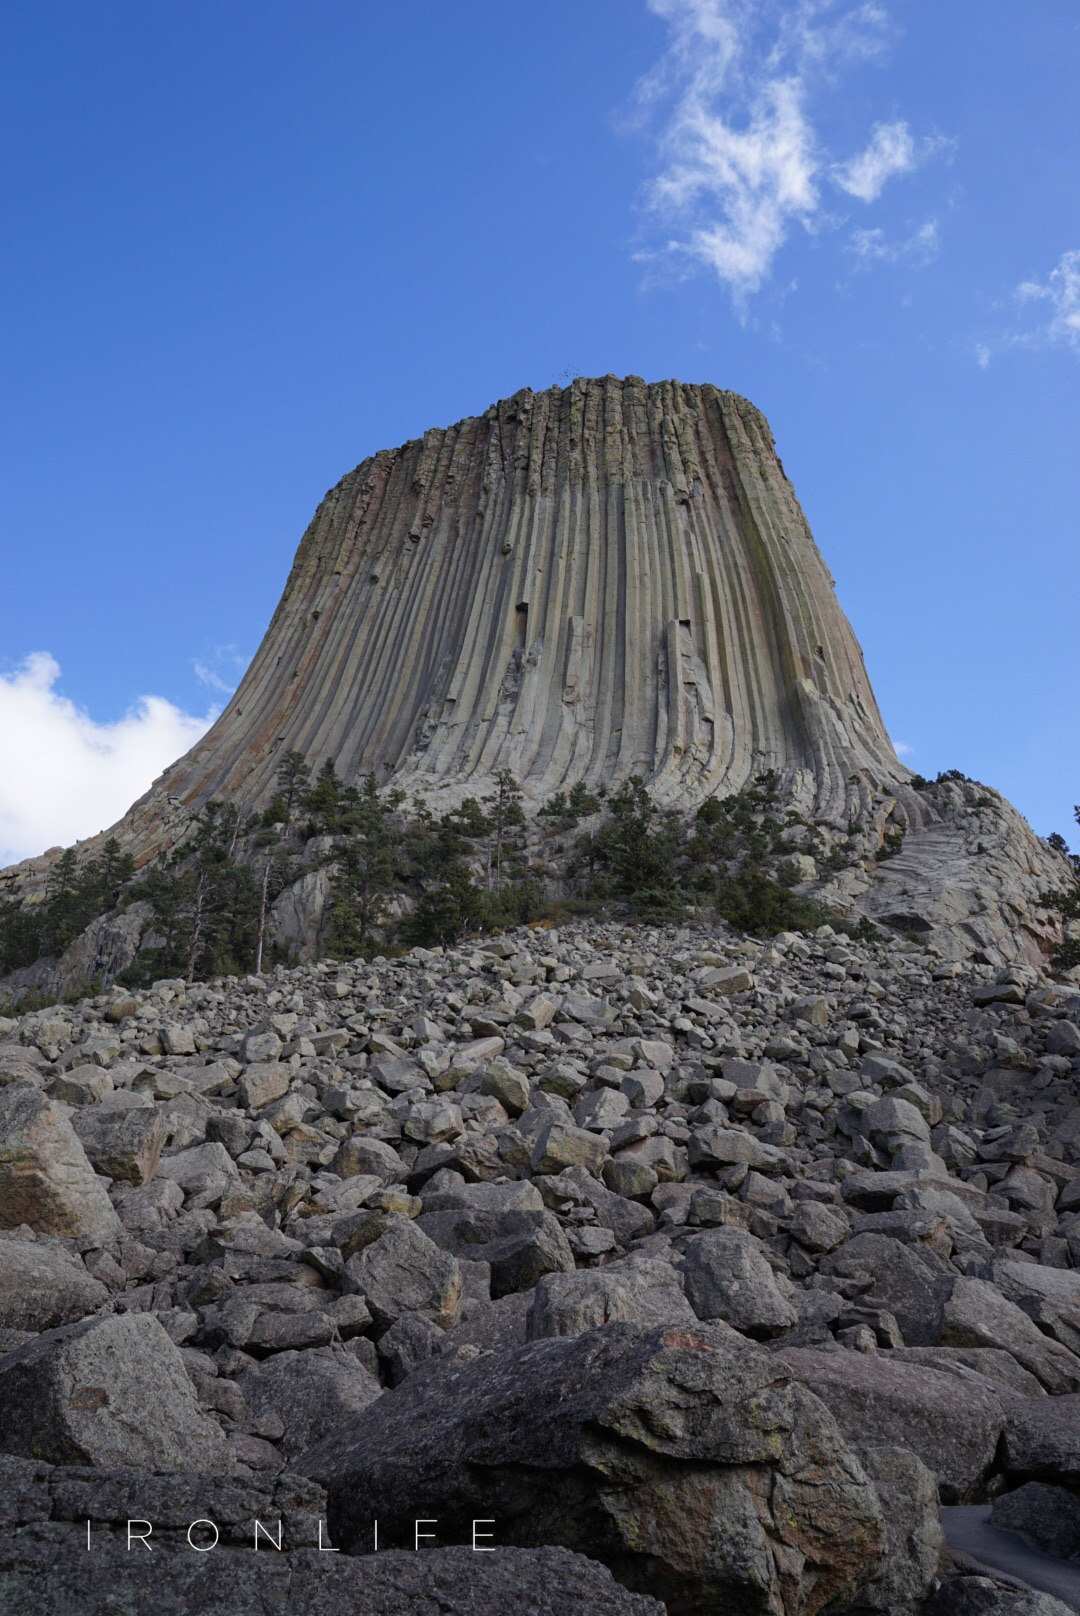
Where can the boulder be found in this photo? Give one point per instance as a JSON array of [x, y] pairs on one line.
[[205, 1170], [46, 1180], [1042, 1440], [559, 1145], [728, 1277], [643, 1290], [109, 1393], [990, 1596], [311, 1392], [914, 1538], [60, 1579], [975, 1314], [122, 1144], [521, 1246], [909, 1282], [42, 1287], [405, 1272], [692, 1471], [626, 1219], [1049, 1516], [1049, 1296], [262, 1082], [953, 1426]]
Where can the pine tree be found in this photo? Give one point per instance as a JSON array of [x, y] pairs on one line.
[[293, 774], [364, 878], [325, 799]]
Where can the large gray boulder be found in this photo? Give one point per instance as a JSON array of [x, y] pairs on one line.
[[692, 1471], [311, 1392], [124, 1145], [42, 1287], [520, 1245], [975, 1314], [1049, 1296], [645, 1291], [914, 1538], [109, 1393], [1049, 1516], [910, 1282], [952, 1425], [46, 1180], [728, 1277], [43, 1578], [990, 1596], [405, 1272], [1042, 1439]]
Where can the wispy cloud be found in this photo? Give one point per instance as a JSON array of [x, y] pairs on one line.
[[741, 161], [64, 776], [1059, 298], [873, 246], [891, 151], [902, 749], [1045, 314]]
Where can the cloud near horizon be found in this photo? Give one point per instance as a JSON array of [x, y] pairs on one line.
[[64, 776], [741, 161]]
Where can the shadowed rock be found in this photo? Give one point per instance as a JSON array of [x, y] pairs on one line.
[[696, 1472]]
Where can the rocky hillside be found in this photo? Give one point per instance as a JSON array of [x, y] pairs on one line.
[[697, 1272]]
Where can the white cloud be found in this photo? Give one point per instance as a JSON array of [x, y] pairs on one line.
[[902, 749], [1050, 316], [62, 775], [1061, 291], [740, 156], [891, 151], [872, 246]]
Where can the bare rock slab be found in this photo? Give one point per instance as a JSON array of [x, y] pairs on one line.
[[40, 1578]]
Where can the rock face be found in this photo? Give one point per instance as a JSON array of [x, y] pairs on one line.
[[584, 584]]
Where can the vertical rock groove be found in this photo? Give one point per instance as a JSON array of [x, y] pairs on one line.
[[589, 583]]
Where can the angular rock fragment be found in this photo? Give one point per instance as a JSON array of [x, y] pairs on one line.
[[42, 1287], [312, 1392], [110, 1393], [1049, 1516], [521, 1246], [643, 1291], [727, 1277], [46, 1180], [405, 1272], [123, 1145], [953, 1426]]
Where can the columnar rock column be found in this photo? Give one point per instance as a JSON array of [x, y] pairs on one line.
[[584, 584]]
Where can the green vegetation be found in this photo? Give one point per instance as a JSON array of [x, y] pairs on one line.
[[731, 858], [400, 876], [74, 896], [1067, 903]]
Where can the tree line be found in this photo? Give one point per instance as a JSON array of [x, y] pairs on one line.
[[400, 875]]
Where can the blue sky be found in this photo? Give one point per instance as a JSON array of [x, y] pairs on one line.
[[247, 244]]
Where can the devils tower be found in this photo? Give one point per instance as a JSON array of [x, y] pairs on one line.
[[586, 585], [578, 585]]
